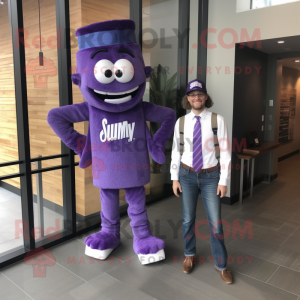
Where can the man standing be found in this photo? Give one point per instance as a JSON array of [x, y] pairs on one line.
[[197, 169]]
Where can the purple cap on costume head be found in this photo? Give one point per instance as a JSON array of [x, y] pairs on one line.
[[196, 85], [109, 33], [110, 46]]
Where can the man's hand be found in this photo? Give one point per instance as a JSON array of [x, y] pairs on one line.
[[176, 186], [221, 189]]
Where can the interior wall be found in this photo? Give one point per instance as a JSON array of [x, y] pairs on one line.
[[243, 5], [248, 107], [222, 14], [273, 113], [290, 78]]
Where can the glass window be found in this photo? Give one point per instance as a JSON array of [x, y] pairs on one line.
[[47, 205], [263, 3], [8, 121], [42, 80], [160, 51], [43, 95], [11, 237], [193, 40]]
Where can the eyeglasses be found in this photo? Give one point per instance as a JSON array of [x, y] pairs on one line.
[[197, 95]]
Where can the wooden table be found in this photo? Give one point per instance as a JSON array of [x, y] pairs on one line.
[[251, 154]]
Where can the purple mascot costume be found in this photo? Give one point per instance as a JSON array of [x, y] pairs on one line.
[[112, 79]]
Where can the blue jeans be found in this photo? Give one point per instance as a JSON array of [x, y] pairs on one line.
[[206, 183]]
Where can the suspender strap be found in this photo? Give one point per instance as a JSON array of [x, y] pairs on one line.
[[214, 127], [181, 133]]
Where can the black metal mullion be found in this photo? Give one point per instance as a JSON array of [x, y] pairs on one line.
[[183, 51], [17, 28], [17, 162], [136, 16], [48, 157], [11, 163], [65, 98], [10, 176], [49, 169], [202, 49]]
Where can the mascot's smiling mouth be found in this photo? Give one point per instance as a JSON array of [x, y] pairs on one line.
[[116, 98]]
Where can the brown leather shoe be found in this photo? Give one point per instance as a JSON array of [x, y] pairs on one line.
[[225, 275], [188, 264]]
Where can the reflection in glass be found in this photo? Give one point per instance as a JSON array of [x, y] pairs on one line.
[[11, 237], [193, 40], [48, 204], [42, 80], [43, 95], [8, 121], [160, 51]]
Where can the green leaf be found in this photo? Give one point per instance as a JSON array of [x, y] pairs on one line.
[[171, 84]]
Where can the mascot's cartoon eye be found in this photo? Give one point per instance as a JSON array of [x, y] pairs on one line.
[[119, 73], [124, 70], [108, 73], [103, 71]]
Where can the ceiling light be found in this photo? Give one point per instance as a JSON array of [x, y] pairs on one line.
[[297, 60], [280, 42]]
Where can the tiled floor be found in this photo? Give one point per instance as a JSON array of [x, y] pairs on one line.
[[266, 266]]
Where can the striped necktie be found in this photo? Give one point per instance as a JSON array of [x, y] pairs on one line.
[[197, 146]]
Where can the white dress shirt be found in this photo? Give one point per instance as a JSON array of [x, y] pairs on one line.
[[208, 153]]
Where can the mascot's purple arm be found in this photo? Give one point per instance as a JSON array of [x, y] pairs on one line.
[[118, 141]]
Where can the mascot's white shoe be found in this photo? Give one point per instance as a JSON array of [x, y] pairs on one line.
[[101, 239], [98, 254], [146, 259]]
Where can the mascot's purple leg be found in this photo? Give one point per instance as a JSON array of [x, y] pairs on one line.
[[109, 236], [143, 241]]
